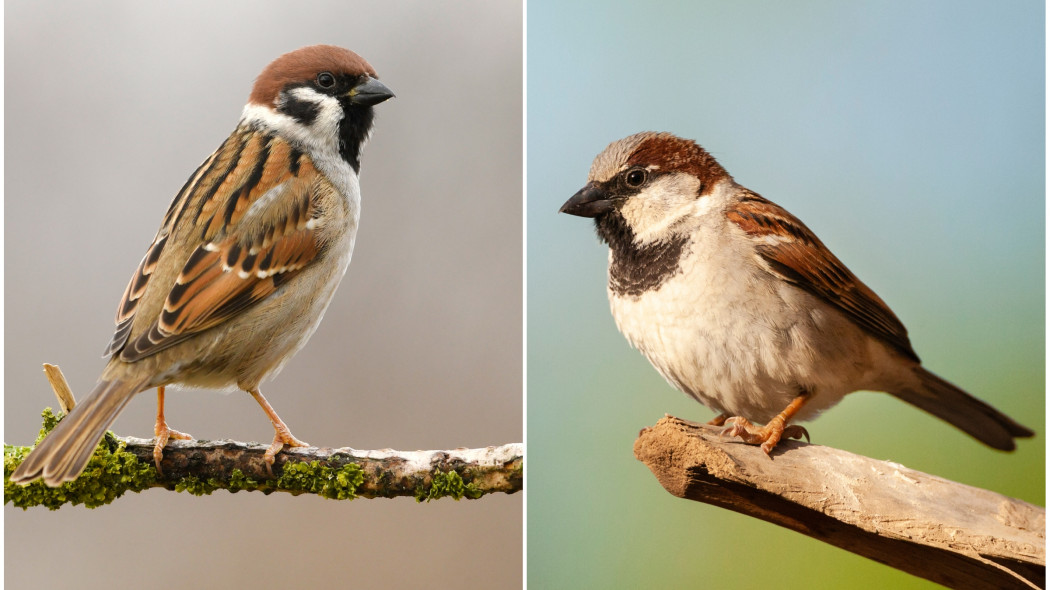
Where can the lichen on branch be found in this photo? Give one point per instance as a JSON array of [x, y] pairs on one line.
[[123, 464]]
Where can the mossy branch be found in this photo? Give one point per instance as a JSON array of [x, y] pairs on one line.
[[123, 464]]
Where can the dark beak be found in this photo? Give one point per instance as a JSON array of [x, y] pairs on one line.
[[591, 201], [370, 92]]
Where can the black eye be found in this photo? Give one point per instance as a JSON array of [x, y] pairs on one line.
[[325, 80], [635, 177]]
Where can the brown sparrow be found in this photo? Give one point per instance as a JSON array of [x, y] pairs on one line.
[[736, 303], [246, 260]]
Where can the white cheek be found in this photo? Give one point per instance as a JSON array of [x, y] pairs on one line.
[[671, 201], [326, 124], [660, 205]]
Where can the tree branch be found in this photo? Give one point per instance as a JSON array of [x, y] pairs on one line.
[[121, 464], [947, 532]]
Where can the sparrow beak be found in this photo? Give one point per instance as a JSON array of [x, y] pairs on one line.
[[590, 201], [370, 92]]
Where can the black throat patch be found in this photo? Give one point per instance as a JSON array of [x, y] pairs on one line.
[[353, 131], [635, 269]]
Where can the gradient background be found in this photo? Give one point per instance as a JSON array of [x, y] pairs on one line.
[[908, 135], [109, 107]]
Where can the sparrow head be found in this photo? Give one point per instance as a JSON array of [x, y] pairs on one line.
[[322, 96], [645, 184]]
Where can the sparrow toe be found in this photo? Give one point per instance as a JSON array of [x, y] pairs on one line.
[[767, 436], [797, 432], [281, 437], [162, 434]]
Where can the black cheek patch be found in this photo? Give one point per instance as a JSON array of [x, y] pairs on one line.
[[303, 111]]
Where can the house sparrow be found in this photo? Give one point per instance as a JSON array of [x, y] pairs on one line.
[[739, 305], [247, 258]]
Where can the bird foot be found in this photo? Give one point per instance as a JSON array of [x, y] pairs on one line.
[[162, 433], [767, 436], [282, 436]]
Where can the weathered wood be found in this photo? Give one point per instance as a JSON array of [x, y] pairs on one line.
[[947, 532]]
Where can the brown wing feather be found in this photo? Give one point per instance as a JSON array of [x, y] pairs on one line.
[[140, 279], [136, 287], [241, 257], [800, 258], [225, 277]]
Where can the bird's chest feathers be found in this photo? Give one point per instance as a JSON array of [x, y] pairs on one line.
[[702, 305], [709, 329]]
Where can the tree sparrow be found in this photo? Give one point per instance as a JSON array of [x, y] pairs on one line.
[[247, 258], [739, 305]]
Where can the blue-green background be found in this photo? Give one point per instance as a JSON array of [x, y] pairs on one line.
[[908, 135]]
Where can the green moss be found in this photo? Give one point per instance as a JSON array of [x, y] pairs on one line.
[[448, 484], [239, 481], [50, 421], [328, 482], [110, 473], [197, 486]]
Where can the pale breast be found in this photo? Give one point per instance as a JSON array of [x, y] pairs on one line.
[[721, 332]]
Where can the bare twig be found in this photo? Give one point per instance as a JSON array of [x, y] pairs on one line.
[[951, 533], [60, 387]]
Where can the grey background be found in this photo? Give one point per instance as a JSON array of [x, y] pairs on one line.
[[109, 107]]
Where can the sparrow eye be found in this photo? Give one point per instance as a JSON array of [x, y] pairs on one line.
[[635, 177], [325, 80]]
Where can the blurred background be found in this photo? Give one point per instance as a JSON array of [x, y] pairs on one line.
[[109, 108], [908, 135]]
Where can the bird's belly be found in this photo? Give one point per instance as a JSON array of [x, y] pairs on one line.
[[237, 359], [745, 350]]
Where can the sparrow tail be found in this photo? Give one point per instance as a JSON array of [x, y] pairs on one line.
[[65, 451], [964, 411]]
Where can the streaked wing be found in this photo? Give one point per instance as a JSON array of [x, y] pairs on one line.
[[254, 223], [794, 253], [137, 285]]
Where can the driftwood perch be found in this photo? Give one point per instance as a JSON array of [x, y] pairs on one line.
[[124, 464], [947, 532]]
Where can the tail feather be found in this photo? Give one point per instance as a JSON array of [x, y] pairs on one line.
[[65, 451], [964, 411]]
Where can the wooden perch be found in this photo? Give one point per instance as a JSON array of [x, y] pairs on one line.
[[200, 467], [947, 532]]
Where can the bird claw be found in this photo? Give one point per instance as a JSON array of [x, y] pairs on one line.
[[162, 433], [767, 436], [281, 437], [795, 431]]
